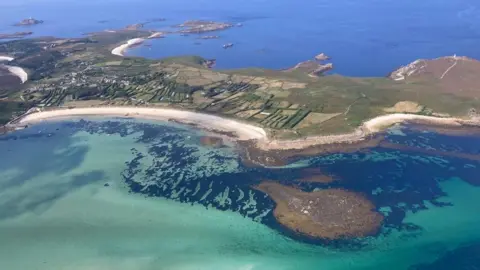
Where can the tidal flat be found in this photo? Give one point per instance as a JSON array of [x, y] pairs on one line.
[[129, 194]]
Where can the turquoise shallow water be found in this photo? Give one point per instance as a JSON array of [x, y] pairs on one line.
[[124, 194]]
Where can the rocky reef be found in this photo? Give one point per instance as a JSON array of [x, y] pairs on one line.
[[315, 175], [15, 35], [328, 214], [211, 141]]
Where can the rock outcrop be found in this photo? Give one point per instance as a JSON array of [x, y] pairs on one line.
[[29, 21]]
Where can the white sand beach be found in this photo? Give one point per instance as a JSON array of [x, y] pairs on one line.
[[370, 127], [6, 58], [244, 131], [18, 71], [209, 122], [120, 50]]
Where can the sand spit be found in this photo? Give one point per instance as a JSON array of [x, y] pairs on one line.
[[209, 122]]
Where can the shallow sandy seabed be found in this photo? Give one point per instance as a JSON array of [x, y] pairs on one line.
[[246, 131]]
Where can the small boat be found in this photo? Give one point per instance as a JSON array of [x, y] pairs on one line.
[[228, 45]]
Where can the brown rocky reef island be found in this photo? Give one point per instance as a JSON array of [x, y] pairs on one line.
[[328, 214]]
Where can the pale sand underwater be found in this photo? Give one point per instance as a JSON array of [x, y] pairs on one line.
[[246, 131], [56, 218]]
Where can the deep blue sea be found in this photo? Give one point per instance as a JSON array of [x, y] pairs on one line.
[[364, 38]]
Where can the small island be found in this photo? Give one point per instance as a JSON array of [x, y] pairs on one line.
[[328, 214], [15, 35], [28, 22], [199, 26]]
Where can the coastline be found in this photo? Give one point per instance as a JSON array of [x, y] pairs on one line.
[[122, 49], [366, 130], [245, 131], [17, 71], [205, 121]]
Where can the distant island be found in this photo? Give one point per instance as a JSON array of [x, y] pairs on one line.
[[199, 26], [15, 35], [29, 21]]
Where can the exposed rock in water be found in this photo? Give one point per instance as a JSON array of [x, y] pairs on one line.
[[15, 35], [315, 175], [228, 45], [322, 57], [209, 37], [326, 214], [29, 21]]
